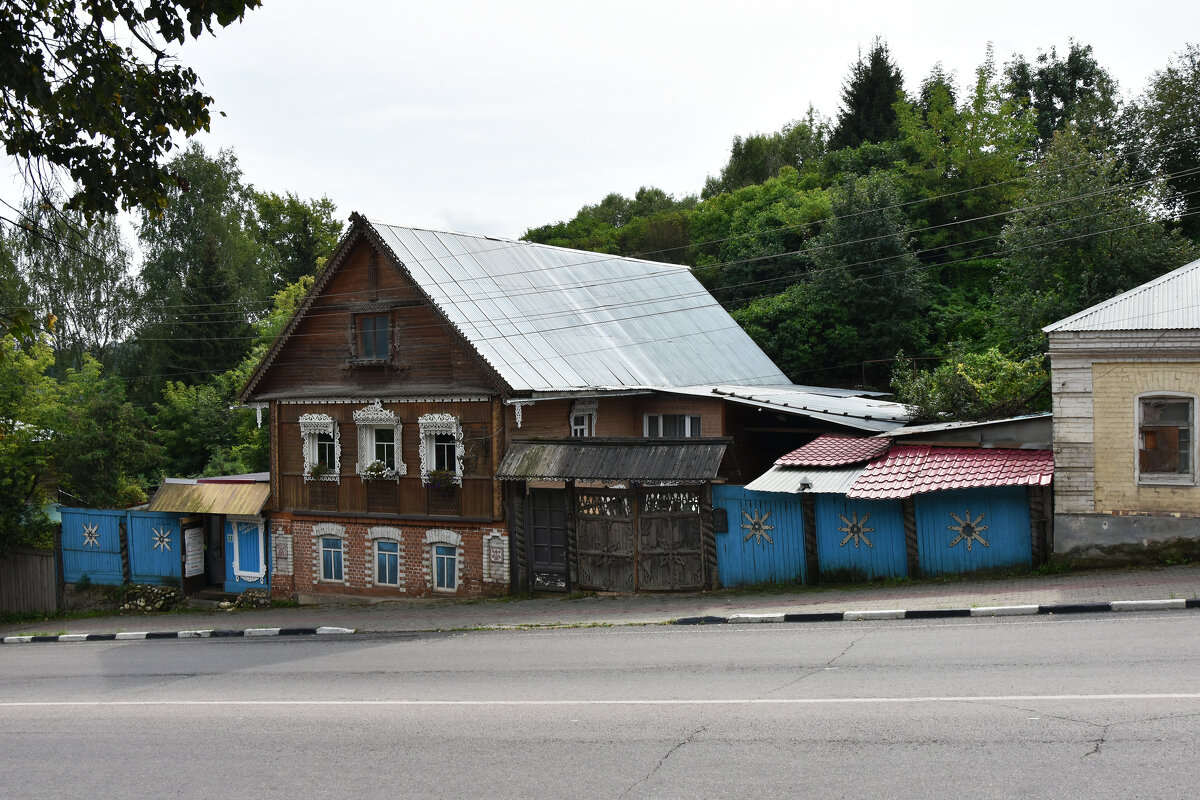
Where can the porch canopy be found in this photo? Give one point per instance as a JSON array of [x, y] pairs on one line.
[[232, 497], [603, 459]]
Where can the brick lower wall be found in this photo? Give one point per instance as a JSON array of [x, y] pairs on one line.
[[481, 551]]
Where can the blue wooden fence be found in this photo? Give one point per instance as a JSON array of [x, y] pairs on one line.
[[765, 540], [155, 547], [972, 529], [91, 545], [864, 536]]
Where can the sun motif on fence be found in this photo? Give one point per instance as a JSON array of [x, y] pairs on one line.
[[91, 537], [162, 539], [856, 529], [758, 527], [968, 530]]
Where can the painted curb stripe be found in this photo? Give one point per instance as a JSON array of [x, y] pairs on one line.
[[858, 616], [297, 631], [101, 637], [1075, 608], [262, 631], [1147, 605], [194, 634], [327, 630], [1004, 611], [1193, 603], [816, 616], [701, 621], [221, 634], [123, 636], [937, 613], [756, 618]]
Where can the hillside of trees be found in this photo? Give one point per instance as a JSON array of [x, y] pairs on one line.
[[925, 236], [915, 242]]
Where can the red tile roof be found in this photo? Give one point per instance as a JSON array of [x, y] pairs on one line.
[[834, 451], [911, 469]]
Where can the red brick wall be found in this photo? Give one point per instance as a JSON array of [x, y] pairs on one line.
[[475, 576]]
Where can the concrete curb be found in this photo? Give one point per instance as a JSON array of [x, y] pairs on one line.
[[946, 613], [202, 634]]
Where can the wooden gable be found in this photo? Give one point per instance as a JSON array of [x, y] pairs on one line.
[[322, 352]]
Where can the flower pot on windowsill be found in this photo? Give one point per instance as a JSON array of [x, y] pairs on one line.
[[378, 471], [444, 482], [317, 472]]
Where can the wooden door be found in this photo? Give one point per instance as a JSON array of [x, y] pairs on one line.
[[546, 538], [604, 527], [670, 554]]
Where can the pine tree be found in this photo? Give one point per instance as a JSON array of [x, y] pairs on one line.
[[875, 83]]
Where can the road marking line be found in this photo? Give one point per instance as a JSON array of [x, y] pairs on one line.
[[799, 701]]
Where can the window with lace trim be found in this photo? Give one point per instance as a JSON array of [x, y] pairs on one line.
[[322, 447], [441, 447]]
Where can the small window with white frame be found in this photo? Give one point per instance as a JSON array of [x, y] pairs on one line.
[[583, 417], [441, 446], [445, 568], [387, 562], [379, 442], [1166, 440], [322, 447], [670, 426], [331, 558]]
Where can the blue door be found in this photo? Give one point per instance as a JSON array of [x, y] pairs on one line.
[[966, 530], [155, 547], [91, 545], [860, 538], [764, 542], [245, 554]]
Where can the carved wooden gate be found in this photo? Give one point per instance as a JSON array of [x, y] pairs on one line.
[[647, 538], [670, 551], [604, 527]]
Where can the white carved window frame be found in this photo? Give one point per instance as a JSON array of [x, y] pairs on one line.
[[311, 427], [584, 407], [367, 420], [250, 576], [383, 533], [431, 425], [442, 536], [329, 530]]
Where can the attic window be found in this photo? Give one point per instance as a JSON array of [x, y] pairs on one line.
[[1166, 440], [373, 331]]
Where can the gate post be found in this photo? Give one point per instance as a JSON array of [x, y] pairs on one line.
[[808, 513], [909, 510], [708, 537]]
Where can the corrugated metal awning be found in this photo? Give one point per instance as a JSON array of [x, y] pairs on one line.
[[613, 459], [241, 499], [794, 480]]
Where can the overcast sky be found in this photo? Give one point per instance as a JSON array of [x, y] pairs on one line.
[[490, 117]]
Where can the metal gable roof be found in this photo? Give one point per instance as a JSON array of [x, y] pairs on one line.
[[830, 450], [547, 318], [793, 480], [1169, 302], [915, 469]]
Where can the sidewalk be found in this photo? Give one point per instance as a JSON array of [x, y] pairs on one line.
[[430, 614]]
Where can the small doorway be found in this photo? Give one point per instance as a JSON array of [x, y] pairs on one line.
[[546, 520], [214, 553]]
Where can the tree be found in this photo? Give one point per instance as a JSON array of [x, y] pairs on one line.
[[861, 299], [27, 402], [874, 85], [973, 386], [1081, 234], [204, 276], [297, 235], [757, 158], [79, 274], [105, 453], [89, 88], [1169, 123], [1074, 91]]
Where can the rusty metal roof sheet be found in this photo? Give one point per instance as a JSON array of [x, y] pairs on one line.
[[915, 469], [831, 450], [241, 499], [685, 460], [794, 480], [1166, 303]]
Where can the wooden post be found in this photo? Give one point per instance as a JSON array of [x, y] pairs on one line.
[[808, 509], [910, 537]]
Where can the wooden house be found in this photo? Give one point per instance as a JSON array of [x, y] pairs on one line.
[[1126, 387], [464, 415]]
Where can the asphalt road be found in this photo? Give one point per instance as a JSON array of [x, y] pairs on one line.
[[1096, 707]]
